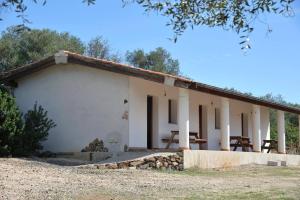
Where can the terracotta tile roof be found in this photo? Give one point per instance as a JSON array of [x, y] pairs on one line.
[[12, 76]]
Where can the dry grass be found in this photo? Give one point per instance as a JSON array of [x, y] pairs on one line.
[[29, 179]]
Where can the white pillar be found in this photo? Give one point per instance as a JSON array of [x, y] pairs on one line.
[[299, 129], [281, 131], [225, 125], [183, 119], [256, 128]]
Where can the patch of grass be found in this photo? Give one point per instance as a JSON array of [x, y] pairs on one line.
[[282, 171], [275, 194], [204, 172], [244, 194], [242, 171], [247, 185]]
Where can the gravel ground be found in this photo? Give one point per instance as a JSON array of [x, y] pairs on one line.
[[34, 179]]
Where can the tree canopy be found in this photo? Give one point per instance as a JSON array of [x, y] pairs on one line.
[[237, 15], [11, 124], [157, 60], [100, 48], [20, 47]]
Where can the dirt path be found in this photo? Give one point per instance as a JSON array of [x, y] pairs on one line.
[[27, 179]]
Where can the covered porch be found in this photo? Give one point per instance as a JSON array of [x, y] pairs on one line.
[[231, 142], [201, 117]]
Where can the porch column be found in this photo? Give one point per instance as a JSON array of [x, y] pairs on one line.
[[256, 128], [225, 125], [281, 132], [183, 119], [299, 129]]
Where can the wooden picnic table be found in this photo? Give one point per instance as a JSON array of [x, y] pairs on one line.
[[240, 141], [269, 145], [194, 139]]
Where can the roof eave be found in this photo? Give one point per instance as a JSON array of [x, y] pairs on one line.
[[20, 72], [67, 57]]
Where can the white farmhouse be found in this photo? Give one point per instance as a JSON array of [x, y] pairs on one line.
[[130, 107]]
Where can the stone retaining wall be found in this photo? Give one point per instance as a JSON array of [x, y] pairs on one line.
[[172, 162]]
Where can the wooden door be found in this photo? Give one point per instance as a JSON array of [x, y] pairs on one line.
[[149, 122]]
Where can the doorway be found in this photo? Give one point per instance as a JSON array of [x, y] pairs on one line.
[[149, 122], [244, 120], [202, 116], [200, 111]]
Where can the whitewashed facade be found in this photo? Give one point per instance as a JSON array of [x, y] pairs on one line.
[[90, 98], [88, 103]]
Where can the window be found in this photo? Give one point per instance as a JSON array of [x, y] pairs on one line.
[[217, 119], [172, 111]]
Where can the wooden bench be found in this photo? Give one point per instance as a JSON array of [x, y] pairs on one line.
[[269, 145], [194, 139], [240, 141]]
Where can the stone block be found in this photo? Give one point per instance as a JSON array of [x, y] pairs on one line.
[[283, 163], [272, 163]]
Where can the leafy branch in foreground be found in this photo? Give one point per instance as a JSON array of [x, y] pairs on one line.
[[237, 15], [20, 7]]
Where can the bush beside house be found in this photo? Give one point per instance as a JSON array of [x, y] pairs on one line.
[[21, 136], [12, 125], [36, 130]]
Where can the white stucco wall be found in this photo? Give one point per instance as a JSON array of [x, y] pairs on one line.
[[138, 91], [88, 103], [209, 103], [84, 102]]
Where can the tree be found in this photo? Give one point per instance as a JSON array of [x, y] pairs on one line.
[[36, 130], [158, 60], [237, 15], [18, 137], [99, 48], [20, 47], [11, 123]]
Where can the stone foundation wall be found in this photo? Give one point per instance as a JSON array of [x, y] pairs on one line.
[[171, 162]]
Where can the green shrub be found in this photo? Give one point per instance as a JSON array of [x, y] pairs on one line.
[[18, 137], [36, 130], [11, 124]]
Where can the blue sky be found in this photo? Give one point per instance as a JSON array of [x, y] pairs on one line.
[[211, 56]]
